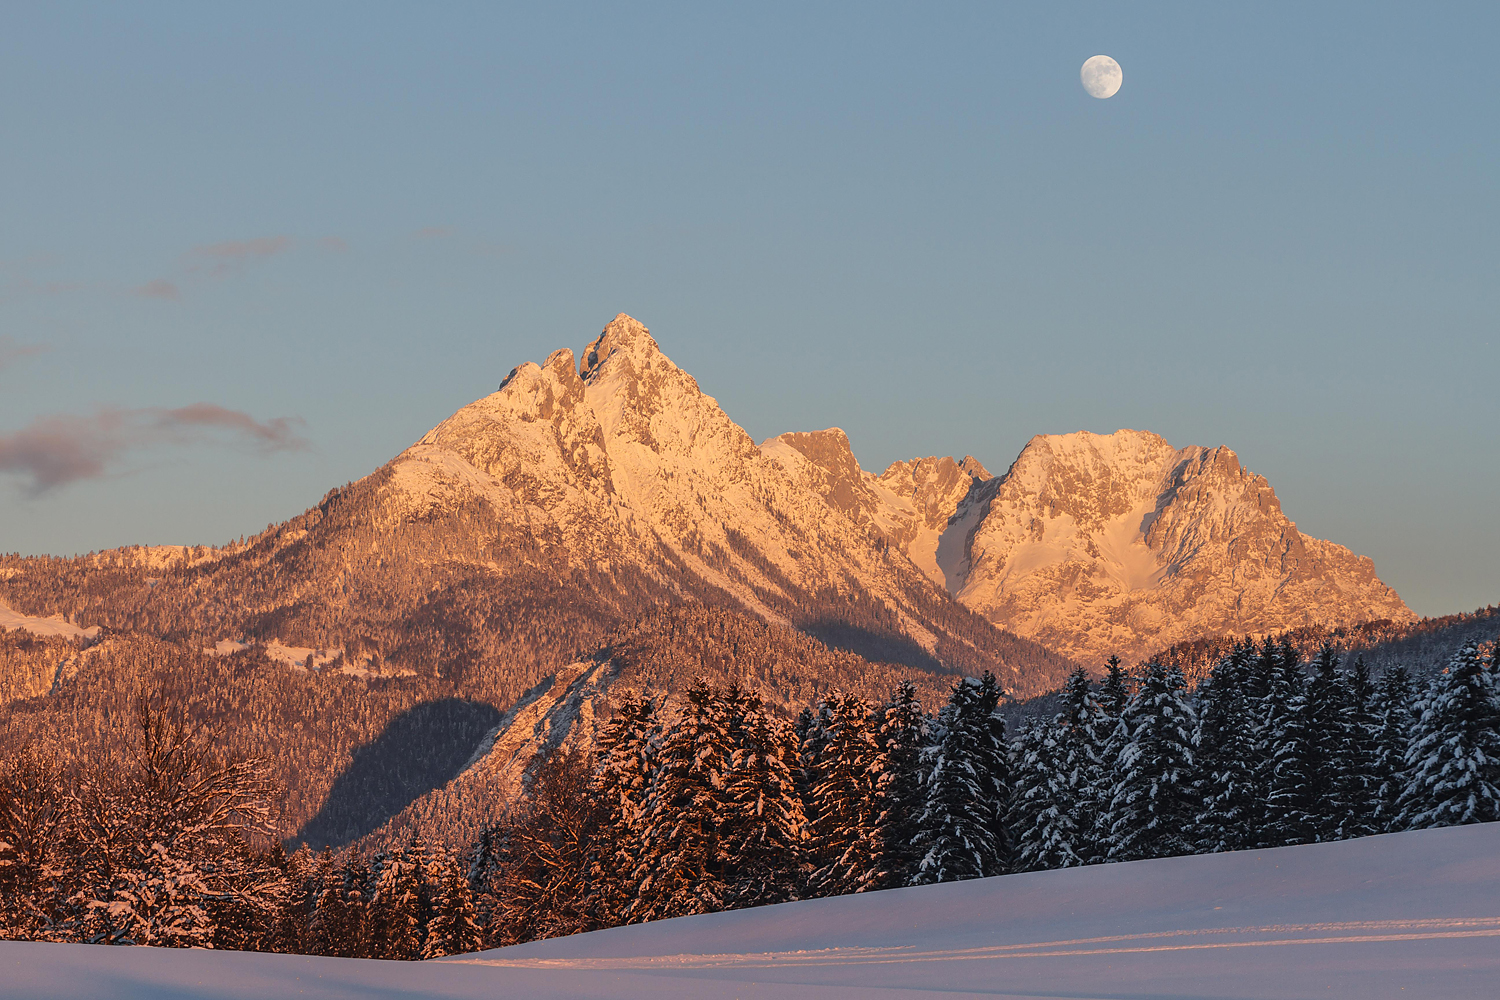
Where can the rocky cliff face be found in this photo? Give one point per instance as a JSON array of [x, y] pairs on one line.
[[1117, 543]]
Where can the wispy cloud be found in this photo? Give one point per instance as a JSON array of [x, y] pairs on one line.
[[161, 288], [53, 452], [213, 260], [433, 232], [219, 258], [12, 351], [333, 244]]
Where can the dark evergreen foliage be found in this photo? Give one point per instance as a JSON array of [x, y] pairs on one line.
[[1151, 806], [902, 732], [703, 804], [1453, 759], [961, 833]]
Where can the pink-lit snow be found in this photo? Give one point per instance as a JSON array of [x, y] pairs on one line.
[[1404, 915]]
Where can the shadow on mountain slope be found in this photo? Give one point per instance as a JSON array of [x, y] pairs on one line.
[[422, 749], [882, 647]]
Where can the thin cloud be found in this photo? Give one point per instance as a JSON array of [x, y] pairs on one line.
[[433, 232], [54, 452], [12, 351], [161, 288], [333, 244], [219, 258]]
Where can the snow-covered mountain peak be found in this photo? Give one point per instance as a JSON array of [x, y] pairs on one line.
[[972, 467], [623, 335], [627, 466], [826, 464], [1091, 543], [1100, 543]]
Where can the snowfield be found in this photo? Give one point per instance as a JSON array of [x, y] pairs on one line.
[[55, 626], [1403, 915]]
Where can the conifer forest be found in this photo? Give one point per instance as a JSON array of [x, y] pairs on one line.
[[716, 800]]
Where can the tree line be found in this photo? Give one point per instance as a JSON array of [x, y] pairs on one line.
[[724, 803]]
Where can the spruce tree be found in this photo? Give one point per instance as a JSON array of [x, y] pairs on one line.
[[1304, 801], [1112, 698], [1114, 692], [1278, 681], [681, 867], [1042, 816], [1453, 760], [452, 924], [1229, 809], [1394, 723], [765, 829], [626, 748], [1151, 808], [323, 924], [395, 909], [1086, 729], [901, 732], [961, 832], [1358, 765], [845, 800]]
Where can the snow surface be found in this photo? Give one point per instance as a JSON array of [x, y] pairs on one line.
[[55, 626], [1403, 915]]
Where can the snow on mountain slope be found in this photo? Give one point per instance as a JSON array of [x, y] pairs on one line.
[[55, 625], [622, 460], [1096, 544], [1402, 915]]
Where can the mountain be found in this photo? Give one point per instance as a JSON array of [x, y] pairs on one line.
[[604, 519], [1100, 544], [514, 535], [402, 650]]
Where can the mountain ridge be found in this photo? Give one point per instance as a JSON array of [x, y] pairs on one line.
[[1097, 544], [613, 465]]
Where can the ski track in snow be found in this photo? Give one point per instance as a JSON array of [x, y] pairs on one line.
[[1121, 944]]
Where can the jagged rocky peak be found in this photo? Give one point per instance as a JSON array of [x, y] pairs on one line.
[[1100, 543], [974, 469], [623, 335], [832, 470], [935, 487]]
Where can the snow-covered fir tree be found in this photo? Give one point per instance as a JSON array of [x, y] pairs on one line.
[[1304, 804], [396, 905], [765, 831], [1086, 728], [845, 799], [452, 926], [1042, 810], [625, 758], [961, 833], [1114, 690], [1358, 791], [681, 866], [1151, 808], [1394, 723], [1229, 808], [1453, 760], [1276, 681], [901, 732]]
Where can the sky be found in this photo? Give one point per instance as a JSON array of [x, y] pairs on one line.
[[248, 254]]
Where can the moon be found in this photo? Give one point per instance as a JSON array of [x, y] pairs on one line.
[[1101, 77]]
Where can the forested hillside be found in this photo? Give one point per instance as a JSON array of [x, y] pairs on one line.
[[714, 800]]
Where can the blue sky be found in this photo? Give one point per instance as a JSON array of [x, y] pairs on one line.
[[908, 221]]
